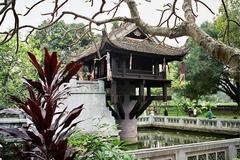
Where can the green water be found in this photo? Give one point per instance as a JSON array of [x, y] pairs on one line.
[[154, 138]]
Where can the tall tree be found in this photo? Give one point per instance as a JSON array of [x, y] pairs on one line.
[[203, 72], [206, 75], [67, 39], [229, 33], [230, 87], [186, 27]]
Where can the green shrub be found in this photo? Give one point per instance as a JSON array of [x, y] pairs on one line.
[[95, 147], [7, 148]]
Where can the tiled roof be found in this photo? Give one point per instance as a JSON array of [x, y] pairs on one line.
[[117, 39], [145, 46]]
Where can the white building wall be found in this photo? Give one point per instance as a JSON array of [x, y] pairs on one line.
[[95, 116]]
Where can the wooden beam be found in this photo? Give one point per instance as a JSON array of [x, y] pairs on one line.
[[146, 97], [143, 107], [152, 97], [120, 109], [113, 111], [135, 109]]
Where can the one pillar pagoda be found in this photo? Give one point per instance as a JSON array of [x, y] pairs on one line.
[[130, 63]]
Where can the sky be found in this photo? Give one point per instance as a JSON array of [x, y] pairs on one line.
[[148, 12]]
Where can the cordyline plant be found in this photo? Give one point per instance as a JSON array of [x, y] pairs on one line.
[[50, 129]]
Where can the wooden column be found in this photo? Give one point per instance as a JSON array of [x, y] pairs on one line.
[[141, 91], [114, 96], [148, 92], [156, 70], [164, 89], [113, 65], [164, 74], [124, 67]]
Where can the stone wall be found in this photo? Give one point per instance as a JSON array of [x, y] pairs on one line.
[[95, 116]]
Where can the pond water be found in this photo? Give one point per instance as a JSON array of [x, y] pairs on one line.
[[154, 138]]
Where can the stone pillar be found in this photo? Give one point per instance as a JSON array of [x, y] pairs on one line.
[[128, 130], [127, 126]]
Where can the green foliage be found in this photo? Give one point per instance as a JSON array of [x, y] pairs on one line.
[[6, 151], [180, 104], [13, 67], [208, 105], [233, 7], [229, 34], [95, 147], [67, 39], [49, 129]]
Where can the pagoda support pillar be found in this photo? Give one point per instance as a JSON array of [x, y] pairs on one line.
[[127, 125]]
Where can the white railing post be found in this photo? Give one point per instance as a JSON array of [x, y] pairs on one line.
[[181, 155], [151, 119], [219, 124], [180, 122], [232, 151], [197, 122], [165, 120]]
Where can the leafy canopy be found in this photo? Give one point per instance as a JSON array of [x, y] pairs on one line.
[[13, 67], [67, 39]]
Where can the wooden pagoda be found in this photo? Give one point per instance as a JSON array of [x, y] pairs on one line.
[[131, 63]]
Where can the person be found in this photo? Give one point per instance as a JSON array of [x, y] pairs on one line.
[[190, 112], [210, 114], [165, 112], [194, 112]]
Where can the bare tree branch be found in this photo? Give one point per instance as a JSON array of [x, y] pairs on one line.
[[6, 6], [172, 8], [204, 5], [33, 6]]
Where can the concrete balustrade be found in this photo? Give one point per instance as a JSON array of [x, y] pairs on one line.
[[222, 126], [12, 118], [214, 150], [12, 122]]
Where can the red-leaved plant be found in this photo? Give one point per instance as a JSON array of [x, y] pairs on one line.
[[50, 129]]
